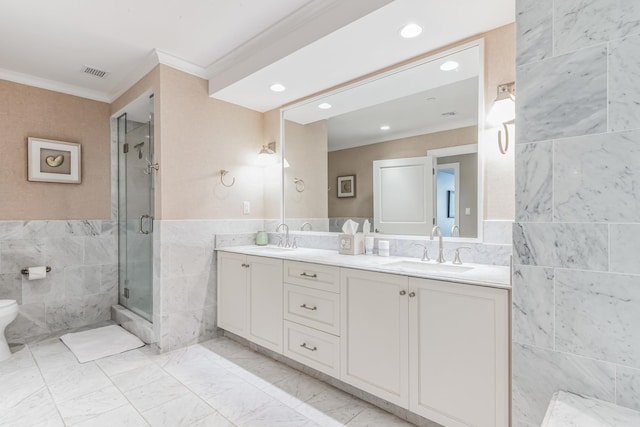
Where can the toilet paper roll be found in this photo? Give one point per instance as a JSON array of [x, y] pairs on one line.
[[35, 273]]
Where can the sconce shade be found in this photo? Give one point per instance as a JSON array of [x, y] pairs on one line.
[[504, 107], [264, 155]]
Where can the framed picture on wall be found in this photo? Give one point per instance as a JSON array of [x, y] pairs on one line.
[[53, 161], [347, 186]]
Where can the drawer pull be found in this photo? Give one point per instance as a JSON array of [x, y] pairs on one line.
[[309, 307], [313, 276], [304, 345]]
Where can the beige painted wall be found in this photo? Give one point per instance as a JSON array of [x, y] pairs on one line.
[[358, 161], [28, 111], [468, 192], [306, 152], [499, 169], [272, 173], [201, 136]]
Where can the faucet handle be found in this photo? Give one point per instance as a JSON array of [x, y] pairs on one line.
[[456, 257], [294, 245], [279, 242], [425, 253]]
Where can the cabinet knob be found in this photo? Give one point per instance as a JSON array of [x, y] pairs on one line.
[[412, 294], [403, 292]]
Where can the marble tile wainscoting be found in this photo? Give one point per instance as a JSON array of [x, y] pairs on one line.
[[576, 286], [184, 299], [83, 283]]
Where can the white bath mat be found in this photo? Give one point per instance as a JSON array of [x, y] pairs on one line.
[[97, 343]]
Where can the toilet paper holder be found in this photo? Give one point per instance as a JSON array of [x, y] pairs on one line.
[[25, 271]]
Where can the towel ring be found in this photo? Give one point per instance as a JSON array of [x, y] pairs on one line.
[[299, 184], [223, 172]]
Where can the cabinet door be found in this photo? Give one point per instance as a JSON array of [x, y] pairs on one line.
[[232, 293], [374, 334], [265, 302], [459, 353]]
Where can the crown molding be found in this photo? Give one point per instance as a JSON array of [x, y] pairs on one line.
[[166, 58], [309, 23], [29, 80], [149, 63]]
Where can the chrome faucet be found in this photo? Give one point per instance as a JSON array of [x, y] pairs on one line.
[[286, 235], [455, 231], [305, 224], [440, 248]]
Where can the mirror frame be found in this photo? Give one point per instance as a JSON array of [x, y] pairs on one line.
[[385, 72]]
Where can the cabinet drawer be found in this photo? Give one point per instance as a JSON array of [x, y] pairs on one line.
[[313, 348], [315, 276], [313, 308]]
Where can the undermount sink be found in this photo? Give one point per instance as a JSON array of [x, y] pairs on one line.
[[429, 267]]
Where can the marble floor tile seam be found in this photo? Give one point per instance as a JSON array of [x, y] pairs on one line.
[[45, 386], [285, 398], [56, 402]]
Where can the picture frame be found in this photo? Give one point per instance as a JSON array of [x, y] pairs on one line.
[[347, 186], [53, 161]]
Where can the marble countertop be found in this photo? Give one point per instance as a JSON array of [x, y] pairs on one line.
[[571, 410], [473, 274]]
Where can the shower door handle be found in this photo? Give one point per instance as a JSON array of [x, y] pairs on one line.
[[141, 228]]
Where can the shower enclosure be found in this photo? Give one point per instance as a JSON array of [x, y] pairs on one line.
[[136, 169]]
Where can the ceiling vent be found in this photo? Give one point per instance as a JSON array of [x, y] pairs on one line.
[[101, 74]]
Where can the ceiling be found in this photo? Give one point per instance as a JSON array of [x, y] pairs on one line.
[[241, 46]]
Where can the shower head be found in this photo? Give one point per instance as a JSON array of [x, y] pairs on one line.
[[139, 148]]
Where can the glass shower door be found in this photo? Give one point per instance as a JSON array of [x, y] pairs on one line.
[[135, 214]]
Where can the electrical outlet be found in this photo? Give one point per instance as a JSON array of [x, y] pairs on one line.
[[467, 211], [246, 208]]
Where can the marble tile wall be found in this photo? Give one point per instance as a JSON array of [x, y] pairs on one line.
[[576, 285], [184, 307], [82, 285]]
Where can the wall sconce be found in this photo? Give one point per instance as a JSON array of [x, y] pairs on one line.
[[266, 152], [503, 112]]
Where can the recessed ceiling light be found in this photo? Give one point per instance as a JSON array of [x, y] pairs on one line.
[[449, 66], [385, 127], [277, 87], [410, 30], [324, 106]]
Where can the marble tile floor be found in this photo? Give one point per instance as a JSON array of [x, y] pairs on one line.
[[215, 383]]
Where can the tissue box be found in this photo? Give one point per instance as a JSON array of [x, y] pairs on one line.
[[351, 244]]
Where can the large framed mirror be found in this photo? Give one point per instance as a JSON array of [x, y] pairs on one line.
[[401, 149]]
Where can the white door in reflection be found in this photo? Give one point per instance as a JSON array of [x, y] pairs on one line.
[[403, 195]]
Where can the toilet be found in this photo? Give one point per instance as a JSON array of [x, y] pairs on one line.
[[8, 313]]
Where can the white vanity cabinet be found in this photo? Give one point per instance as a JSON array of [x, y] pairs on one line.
[[438, 348], [375, 334], [459, 353], [250, 298]]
